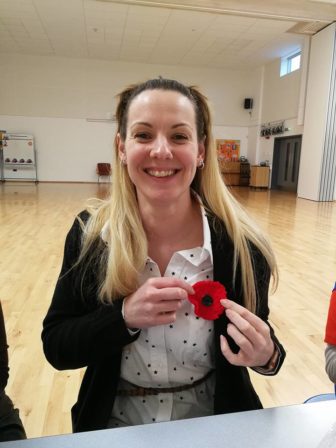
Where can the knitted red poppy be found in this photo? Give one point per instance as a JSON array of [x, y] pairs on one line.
[[206, 299]]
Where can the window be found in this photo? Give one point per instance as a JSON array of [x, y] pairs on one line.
[[290, 63]]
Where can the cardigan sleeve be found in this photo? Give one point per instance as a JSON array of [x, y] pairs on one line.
[[223, 255], [262, 274], [3, 353], [78, 330]]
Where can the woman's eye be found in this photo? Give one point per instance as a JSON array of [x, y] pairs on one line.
[[180, 137], [142, 136]]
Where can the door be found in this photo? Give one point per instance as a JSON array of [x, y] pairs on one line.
[[286, 161]]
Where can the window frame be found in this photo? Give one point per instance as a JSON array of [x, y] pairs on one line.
[[286, 63]]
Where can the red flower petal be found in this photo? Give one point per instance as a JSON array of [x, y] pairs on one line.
[[206, 299]]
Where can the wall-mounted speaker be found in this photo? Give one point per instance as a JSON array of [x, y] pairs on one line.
[[248, 103]]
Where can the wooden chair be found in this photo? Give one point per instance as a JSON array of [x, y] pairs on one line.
[[103, 169]]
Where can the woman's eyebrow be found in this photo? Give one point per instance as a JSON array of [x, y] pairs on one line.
[[142, 123], [178, 125], [149, 125]]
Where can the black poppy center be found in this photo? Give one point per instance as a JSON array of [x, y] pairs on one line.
[[207, 300]]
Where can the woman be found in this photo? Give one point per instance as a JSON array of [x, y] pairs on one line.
[[120, 306]]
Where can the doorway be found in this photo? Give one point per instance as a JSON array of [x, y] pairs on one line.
[[286, 163]]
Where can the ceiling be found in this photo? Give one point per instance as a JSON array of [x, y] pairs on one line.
[[212, 33]]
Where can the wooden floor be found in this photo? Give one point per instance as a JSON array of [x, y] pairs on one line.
[[34, 220]]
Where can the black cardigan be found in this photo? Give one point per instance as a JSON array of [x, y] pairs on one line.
[[78, 331], [3, 353]]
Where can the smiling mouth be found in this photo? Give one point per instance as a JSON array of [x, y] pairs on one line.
[[161, 173]]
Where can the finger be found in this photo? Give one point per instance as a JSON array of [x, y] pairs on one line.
[[241, 340], [163, 319], [170, 282], [254, 320], [154, 296], [233, 358], [168, 294], [167, 306], [153, 308], [245, 327]]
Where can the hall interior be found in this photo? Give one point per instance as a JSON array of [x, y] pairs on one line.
[[34, 220]]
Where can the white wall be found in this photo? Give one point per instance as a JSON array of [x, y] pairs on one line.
[[79, 88], [281, 94], [281, 101], [51, 98], [67, 149], [318, 87]]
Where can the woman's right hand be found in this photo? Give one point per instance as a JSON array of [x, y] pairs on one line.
[[155, 302]]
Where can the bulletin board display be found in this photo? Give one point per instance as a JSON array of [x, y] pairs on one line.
[[228, 150]]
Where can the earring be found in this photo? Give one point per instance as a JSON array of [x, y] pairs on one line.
[[201, 164], [123, 160]]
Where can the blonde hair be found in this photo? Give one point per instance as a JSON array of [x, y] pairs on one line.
[[126, 251]]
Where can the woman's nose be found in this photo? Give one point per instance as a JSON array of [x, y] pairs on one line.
[[161, 149]]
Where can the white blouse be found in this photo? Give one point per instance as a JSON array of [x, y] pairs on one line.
[[171, 355]]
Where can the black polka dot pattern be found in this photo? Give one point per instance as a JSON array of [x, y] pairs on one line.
[[179, 350]]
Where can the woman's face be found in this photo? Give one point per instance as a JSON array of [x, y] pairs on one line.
[[161, 149]]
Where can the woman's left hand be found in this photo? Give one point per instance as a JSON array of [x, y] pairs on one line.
[[250, 333]]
